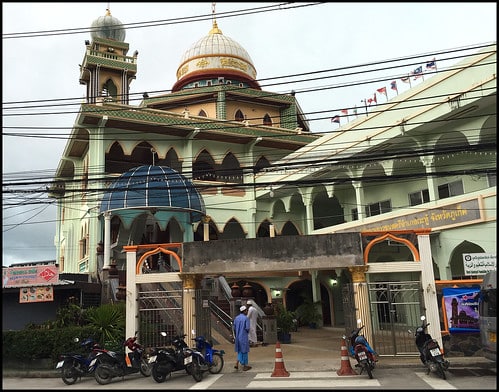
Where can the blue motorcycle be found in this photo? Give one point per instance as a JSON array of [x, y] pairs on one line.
[[74, 366], [213, 357]]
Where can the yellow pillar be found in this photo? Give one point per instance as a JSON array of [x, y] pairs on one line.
[[206, 228], [190, 284], [361, 299]]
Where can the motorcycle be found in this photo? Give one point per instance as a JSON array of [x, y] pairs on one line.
[[119, 364], [213, 357], [166, 360], [430, 353], [360, 349], [74, 366]]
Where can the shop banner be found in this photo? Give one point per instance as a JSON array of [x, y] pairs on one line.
[[461, 308], [36, 294], [30, 275]]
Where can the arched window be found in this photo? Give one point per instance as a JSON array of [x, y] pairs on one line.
[[109, 90], [230, 171], [261, 163], [202, 113], [267, 120], [204, 167], [239, 116]]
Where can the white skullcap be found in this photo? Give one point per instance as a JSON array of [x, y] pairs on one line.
[[242, 308]]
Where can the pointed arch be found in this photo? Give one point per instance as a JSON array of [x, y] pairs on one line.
[[230, 170], [233, 230], [261, 164], [239, 116], [409, 244], [204, 167], [171, 160], [110, 90], [290, 228], [267, 120]]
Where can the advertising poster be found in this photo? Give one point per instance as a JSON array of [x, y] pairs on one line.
[[30, 275], [36, 294], [461, 308]]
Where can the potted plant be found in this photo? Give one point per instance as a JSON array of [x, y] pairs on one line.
[[285, 321], [308, 313]]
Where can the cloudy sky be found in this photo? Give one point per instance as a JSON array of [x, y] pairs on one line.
[[293, 39]]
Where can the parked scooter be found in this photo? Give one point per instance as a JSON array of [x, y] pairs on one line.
[[113, 364], [166, 360], [213, 357], [360, 349], [74, 366], [430, 353]]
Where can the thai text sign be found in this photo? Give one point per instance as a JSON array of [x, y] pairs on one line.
[[479, 263], [435, 218], [30, 275]]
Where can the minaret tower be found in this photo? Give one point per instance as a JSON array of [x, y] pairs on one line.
[[106, 70]]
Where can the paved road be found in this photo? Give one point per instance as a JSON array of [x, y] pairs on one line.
[[396, 378]]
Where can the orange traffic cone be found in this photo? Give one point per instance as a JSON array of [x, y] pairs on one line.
[[279, 368], [346, 368]]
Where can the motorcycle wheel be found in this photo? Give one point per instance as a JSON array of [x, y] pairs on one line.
[[69, 375], [103, 374], [217, 363], [195, 370], [160, 376], [441, 370], [369, 370], [145, 368]]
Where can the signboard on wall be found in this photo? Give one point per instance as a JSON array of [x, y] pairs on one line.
[[461, 308], [30, 275], [36, 294], [478, 263]]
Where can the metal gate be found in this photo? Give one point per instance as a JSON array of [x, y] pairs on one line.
[[160, 310], [395, 308]]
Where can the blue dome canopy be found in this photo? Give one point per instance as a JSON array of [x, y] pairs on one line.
[[157, 187]]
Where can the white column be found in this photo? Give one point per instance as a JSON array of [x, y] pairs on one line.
[[132, 309], [429, 290], [429, 164], [359, 196], [107, 239]]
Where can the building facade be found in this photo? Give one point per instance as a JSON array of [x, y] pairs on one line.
[[416, 181]]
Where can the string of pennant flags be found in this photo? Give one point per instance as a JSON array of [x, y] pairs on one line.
[[414, 75]]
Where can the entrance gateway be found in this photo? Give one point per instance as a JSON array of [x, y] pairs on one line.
[[388, 308]]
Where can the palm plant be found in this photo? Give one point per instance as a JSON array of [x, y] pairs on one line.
[[109, 321]]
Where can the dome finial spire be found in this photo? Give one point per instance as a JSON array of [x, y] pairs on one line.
[[108, 9], [215, 29]]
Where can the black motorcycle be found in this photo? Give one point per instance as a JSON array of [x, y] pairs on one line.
[[119, 364], [360, 349], [76, 365], [165, 360], [430, 353], [213, 357]]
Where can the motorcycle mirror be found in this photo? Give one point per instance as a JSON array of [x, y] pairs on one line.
[[423, 318], [76, 340], [163, 333]]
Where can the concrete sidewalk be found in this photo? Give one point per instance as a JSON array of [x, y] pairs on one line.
[[310, 350], [320, 350]]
